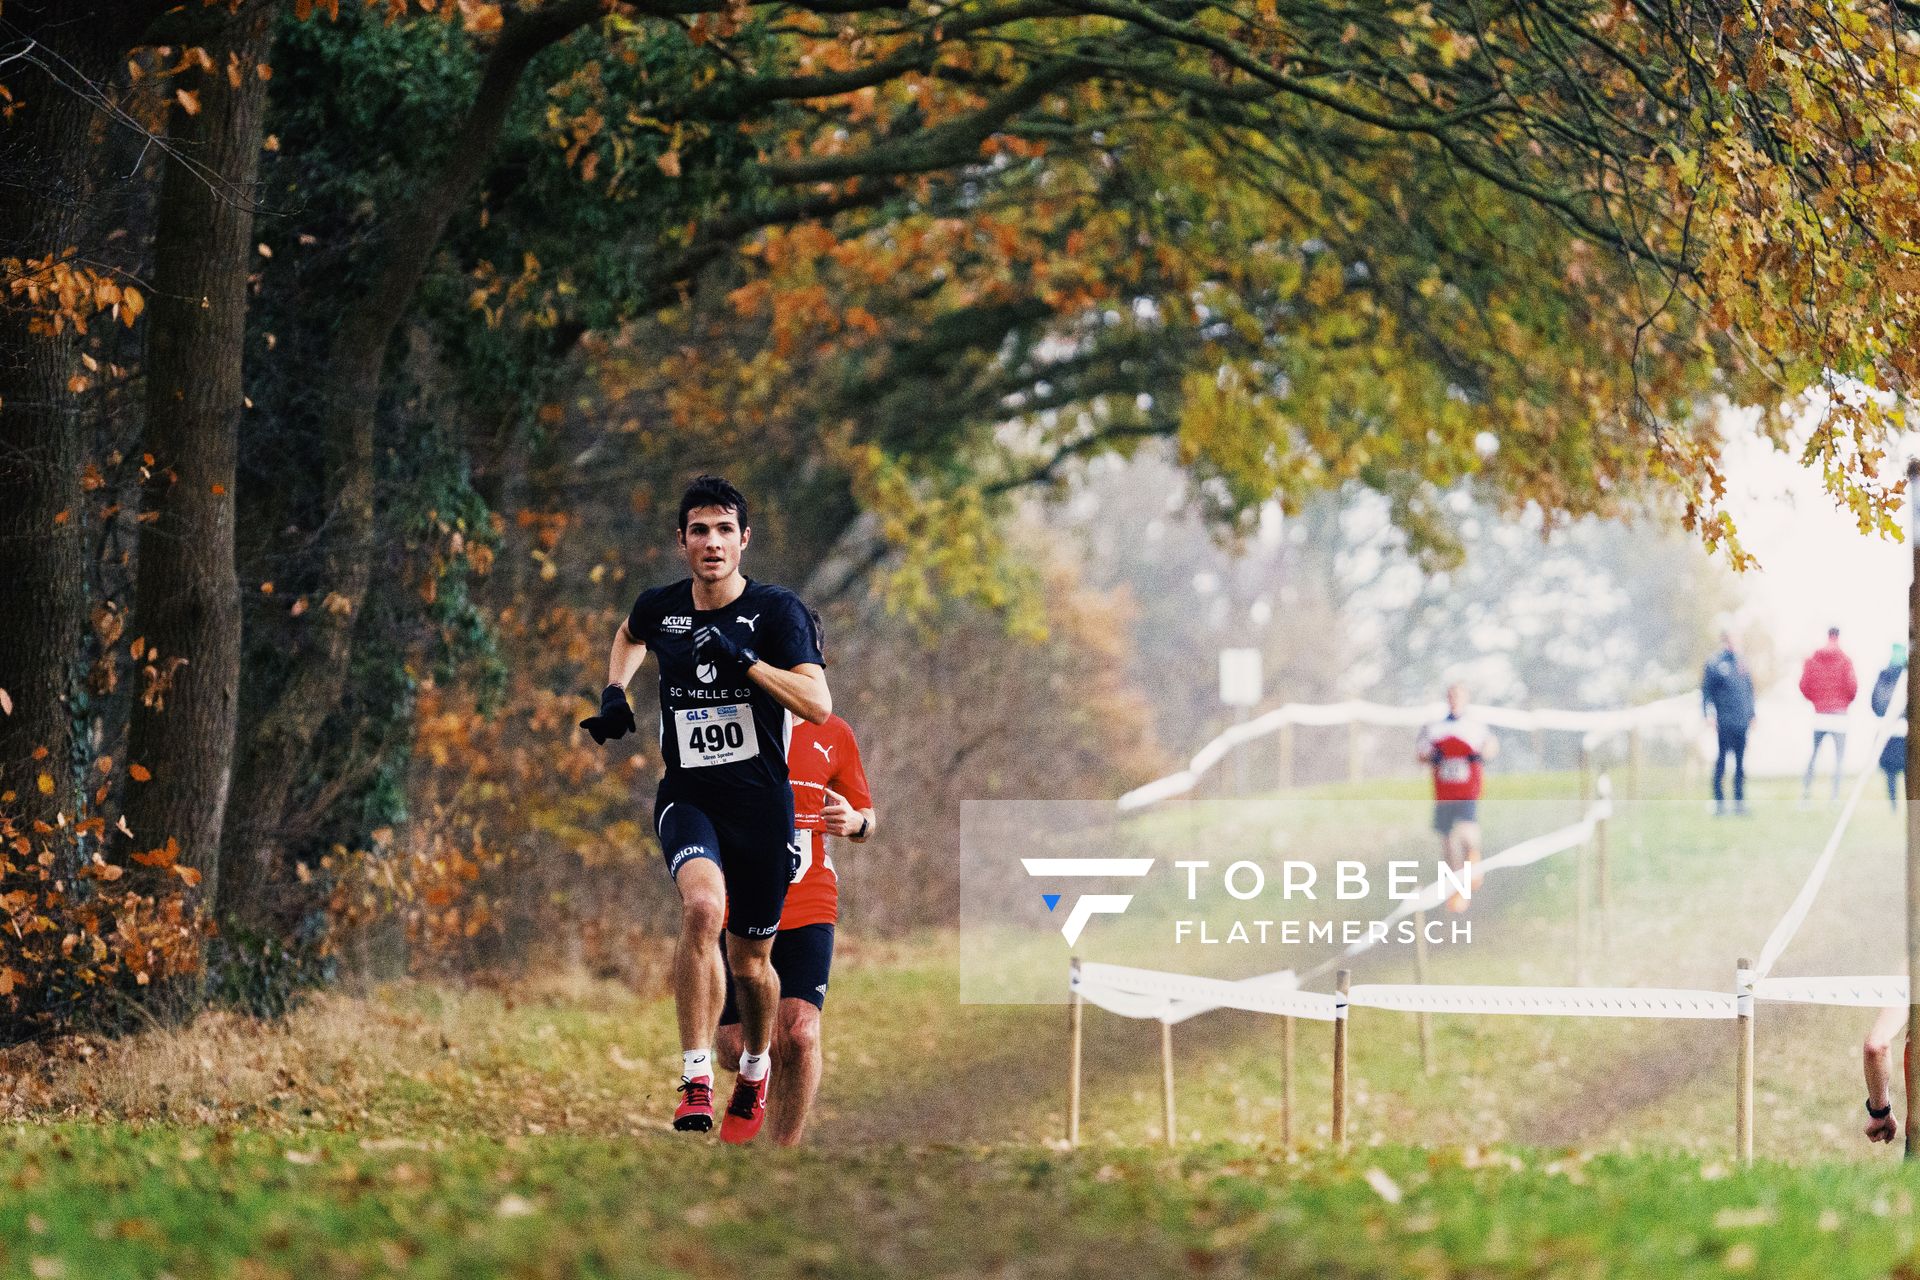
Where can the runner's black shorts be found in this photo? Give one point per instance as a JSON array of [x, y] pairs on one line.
[[1448, 813], [749, 833], [802, 957]]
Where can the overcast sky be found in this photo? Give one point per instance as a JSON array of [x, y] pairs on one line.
[[1818, 569]]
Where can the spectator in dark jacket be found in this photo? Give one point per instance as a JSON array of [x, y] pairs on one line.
[[1828, 682], [1726, 695], [1893, 756]]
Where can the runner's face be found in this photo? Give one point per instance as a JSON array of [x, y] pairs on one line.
[[712, 542]]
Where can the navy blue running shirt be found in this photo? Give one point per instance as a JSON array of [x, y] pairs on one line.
[[717, 727]]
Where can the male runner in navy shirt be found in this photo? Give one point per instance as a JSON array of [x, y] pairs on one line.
[[737, 660]]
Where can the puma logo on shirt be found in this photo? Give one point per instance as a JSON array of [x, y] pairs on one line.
[[824, 750], [746, 621]]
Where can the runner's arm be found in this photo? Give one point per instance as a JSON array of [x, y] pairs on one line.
[[1877, 1053], [626, 657], [849, 806], [802, 690], [1876, 1056], [838, 817]]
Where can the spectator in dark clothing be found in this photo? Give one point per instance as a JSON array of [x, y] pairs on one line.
[[1893, 756], [1726, 694], [1828, 682]]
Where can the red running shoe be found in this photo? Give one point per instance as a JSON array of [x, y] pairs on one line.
[[695, 1113], [745, 1111]]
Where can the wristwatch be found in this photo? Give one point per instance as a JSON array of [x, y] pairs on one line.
[[861, 834], [1882, 1113]]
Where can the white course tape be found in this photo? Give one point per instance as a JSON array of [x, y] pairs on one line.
[[1680, 710], [1789, 925], [1125, 1003], [1583, 1002], [1151, 993], [1866, 993], [1259, 995], [1523, 854]]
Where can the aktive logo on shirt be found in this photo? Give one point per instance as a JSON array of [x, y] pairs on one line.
[[676, 622]]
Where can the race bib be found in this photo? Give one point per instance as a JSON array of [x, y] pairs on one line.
[[715, 735], [1455, 769], [800, 855]]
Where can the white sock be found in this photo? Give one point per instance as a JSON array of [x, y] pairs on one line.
[[753, 1066], [696, 1062]]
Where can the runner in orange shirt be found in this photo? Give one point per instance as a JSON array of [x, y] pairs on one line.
[[830, 797]]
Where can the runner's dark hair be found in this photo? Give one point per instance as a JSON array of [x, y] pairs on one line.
[[712, 491]]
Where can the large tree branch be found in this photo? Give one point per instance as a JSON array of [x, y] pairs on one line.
[[944, 146]]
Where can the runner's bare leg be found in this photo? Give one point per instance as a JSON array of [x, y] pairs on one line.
[[1450, 850], [699, 983], [756, 989], [1468, 834], [797, 1061]]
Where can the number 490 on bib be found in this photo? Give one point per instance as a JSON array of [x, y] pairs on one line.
[[715, 735]]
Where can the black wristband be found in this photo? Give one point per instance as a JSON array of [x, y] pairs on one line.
[[1882, 1113], [865, 826]]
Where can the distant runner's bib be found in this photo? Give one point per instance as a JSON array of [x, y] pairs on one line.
[[715, 735], [1454, 769]]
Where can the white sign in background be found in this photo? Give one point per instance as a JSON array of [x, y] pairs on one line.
[[1240, 677]]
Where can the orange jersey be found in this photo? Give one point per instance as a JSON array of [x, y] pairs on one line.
[[818, 757]]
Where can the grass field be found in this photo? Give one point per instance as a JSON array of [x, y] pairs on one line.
[[416, 1130]]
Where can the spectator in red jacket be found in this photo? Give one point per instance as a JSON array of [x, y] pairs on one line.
[[1828, 682]]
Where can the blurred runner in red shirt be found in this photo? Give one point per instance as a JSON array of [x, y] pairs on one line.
[[1456, 747]]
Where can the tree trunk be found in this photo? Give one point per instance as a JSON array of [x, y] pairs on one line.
[[187, 595], [49, 154], [273, 757]]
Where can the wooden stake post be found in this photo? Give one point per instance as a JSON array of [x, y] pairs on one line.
[[1286, 1082], [1342, 983], [1580, 914], [1743, 1102], [1602, 876], [1422, 1019], [1166, 1077], [1076, 1004]]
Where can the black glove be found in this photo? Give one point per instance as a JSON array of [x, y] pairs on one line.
[[615, 719], [711, 644]]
